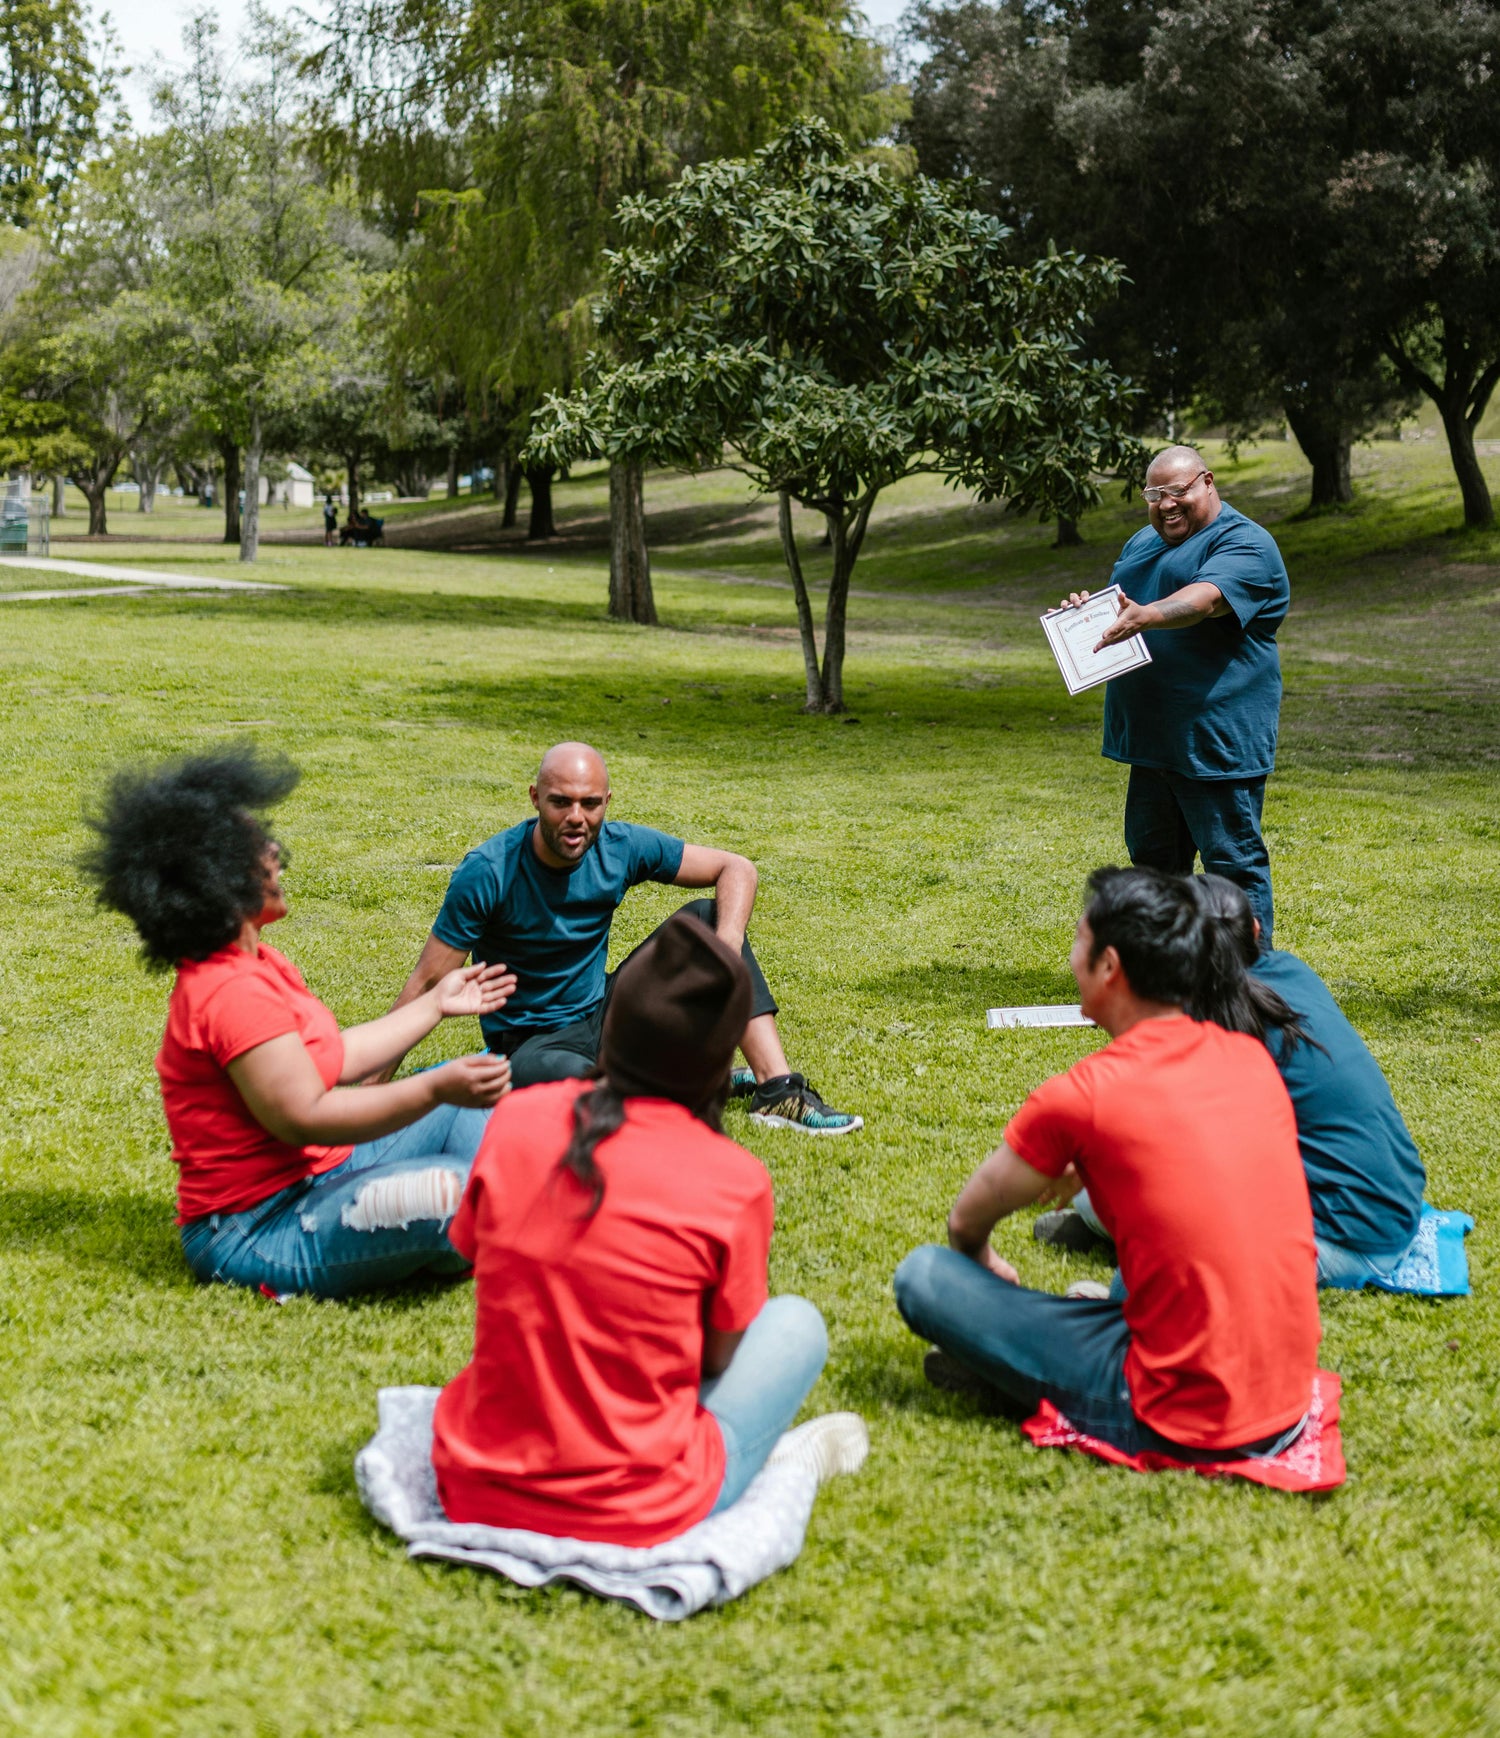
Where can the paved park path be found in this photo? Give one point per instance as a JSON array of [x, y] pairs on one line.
[[137, 581]]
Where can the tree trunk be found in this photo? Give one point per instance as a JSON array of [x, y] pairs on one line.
[[512, 497], [250, 529], [452, 473], [351, 473], [541, 523], [630, 598], [229, 451], [148, 479], [805, 628], [1479, 509], [59, 497], [1068, 534], [94, 484], [501, 485], [1326, 446]]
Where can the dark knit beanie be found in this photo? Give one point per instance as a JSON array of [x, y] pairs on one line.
[[678, 1008]]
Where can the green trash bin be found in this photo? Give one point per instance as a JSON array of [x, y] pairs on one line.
[[12, 536]]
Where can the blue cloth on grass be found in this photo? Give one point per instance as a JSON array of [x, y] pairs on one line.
[[1437, 1264]]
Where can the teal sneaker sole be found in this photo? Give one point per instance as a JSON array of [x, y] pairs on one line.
[[765, 1121]]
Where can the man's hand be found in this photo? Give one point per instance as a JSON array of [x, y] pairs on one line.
[[1133, 619], [1074, 598], [477, 989], [1060, 1190], [997, 1265], [473, 1082]]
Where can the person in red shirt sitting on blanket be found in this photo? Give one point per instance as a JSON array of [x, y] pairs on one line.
[[289, 1179], [1185, 1137], [630, 1375]]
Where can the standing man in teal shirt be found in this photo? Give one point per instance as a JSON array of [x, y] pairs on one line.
[[1197, 725]]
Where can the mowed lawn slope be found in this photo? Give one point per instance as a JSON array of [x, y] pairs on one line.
[[181, 1547]]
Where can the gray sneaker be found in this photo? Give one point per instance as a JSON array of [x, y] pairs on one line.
[[1067, 1229]]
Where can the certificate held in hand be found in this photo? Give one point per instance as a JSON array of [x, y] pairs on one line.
[[1074, 630]]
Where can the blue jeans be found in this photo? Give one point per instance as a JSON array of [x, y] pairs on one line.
[[1339, 1269], [374, 1220], [1169, 819], [1034, 1346], [757, 1397]]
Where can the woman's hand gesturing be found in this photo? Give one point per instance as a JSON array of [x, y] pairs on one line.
[[473, 1082], [473, 990]]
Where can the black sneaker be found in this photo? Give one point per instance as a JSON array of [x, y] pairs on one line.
[[787, 1101], [945, 1372], [741, 1082], [1067, 1229]]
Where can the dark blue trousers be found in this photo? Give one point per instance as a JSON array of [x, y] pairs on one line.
[[1033, 1345], [1170, 819]]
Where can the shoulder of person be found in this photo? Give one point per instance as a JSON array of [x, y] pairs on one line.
[[1235, 529]]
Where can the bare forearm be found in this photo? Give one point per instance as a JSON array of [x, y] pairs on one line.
[[1002, 1185], [1186, 608], [349, 1114], [734, 895], [380, 1044]]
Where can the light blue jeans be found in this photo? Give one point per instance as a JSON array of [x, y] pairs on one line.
[[374, 1220], [771, 1373], [1339, 1269]]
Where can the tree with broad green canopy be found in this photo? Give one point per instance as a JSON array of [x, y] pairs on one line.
[[827, 328]]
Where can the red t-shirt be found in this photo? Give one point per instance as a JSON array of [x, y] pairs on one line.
[[1186, 1139], [578, 1415], [220, 1008]]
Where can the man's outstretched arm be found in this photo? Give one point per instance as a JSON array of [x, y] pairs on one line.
[[1002, 1185], [733, 879]]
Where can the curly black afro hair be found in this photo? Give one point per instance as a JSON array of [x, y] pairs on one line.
[[179, 848]]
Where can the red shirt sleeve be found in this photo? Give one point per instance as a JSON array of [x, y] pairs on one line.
[[1050, 1129], [740, 1293], [241, 1014]]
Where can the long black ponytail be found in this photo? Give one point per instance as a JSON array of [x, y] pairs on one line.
[[1228, 993], [597, 1113]]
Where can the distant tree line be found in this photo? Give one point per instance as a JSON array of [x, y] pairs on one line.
[[1304, 196]]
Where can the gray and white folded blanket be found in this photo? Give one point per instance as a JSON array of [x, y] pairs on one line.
[[710, 1564]]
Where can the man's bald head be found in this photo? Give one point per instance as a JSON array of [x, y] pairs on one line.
[[1192, 502], [572, 760], [570, 795], [1173, 459]]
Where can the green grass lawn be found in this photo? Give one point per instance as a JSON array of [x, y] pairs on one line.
[[181, 1547]]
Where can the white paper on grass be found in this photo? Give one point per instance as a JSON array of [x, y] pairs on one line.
[[1056, 1014], [1073, 631]]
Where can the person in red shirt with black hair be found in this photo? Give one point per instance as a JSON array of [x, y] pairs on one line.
[[1185, 1137], [630, 1374], [290, 1179]]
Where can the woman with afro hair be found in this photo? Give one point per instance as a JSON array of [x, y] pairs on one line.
[[292, 1177]]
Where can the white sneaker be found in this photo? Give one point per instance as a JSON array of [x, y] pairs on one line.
[[1087, 1288], [837, 1442]]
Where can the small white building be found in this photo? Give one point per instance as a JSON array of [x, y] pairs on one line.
[[297, 490]]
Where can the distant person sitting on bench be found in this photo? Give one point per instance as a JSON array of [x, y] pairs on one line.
[[540, 897], [1364, 1172], [630, 1375], [290, 1178], [1184, 1135]]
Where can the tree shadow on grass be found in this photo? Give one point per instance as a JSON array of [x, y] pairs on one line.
[[130, 1230]]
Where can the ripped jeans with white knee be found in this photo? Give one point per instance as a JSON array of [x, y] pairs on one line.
[[380, 1217]]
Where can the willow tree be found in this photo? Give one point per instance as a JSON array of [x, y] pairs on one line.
[[551, 113], [827, 328]]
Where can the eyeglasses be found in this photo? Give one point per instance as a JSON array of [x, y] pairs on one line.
[[1174, 492]]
